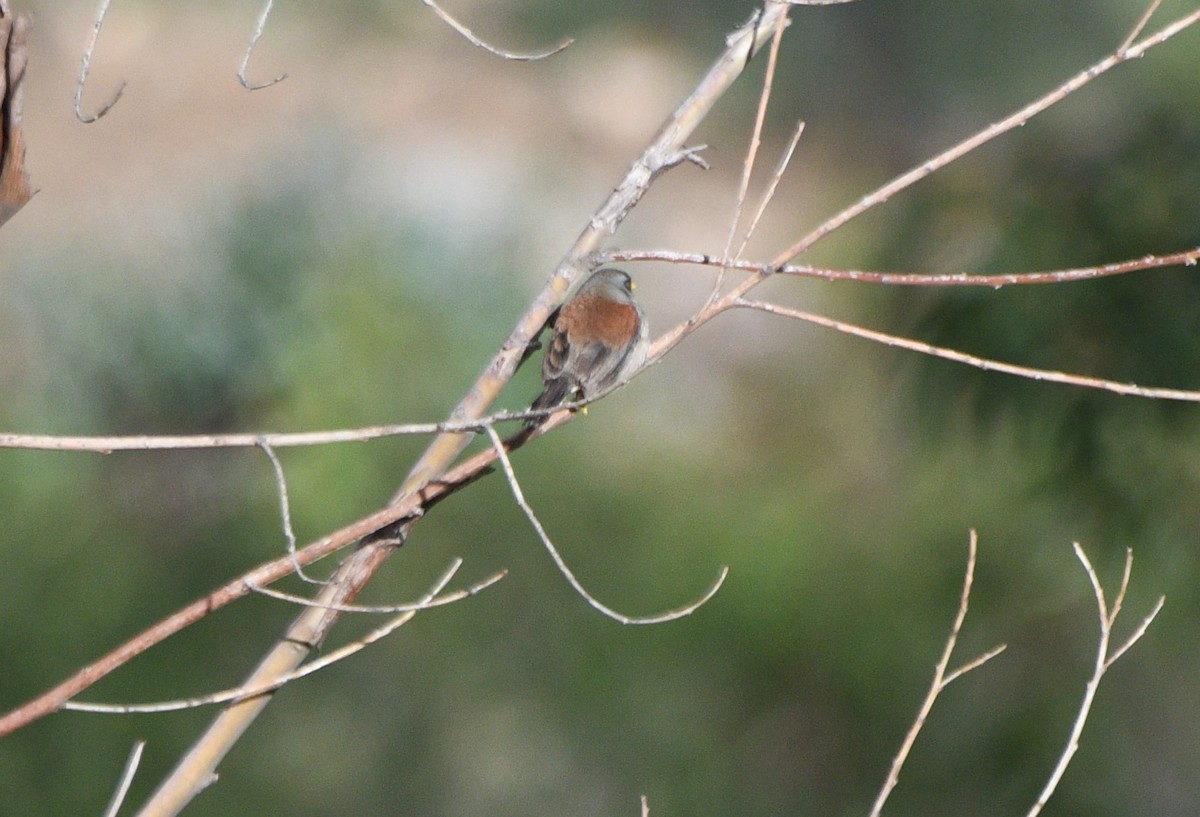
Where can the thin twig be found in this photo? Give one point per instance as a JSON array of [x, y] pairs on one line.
[[560, 563], [85, 69], [413, 507], [1186, 258], [471, 37], [984, 363], [376, 609], [285, 511], [940, 679], [242, 693], [126, 780], [1140, 26], [254, 38], [1107, 617], [106, 445], [773, 185], [760, 117]]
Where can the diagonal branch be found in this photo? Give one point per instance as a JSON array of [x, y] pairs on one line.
[[987, 364], [665, 150]]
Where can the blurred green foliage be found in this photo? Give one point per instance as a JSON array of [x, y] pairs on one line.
[[838, 484]]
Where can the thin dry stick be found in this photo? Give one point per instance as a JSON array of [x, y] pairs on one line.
[[245, 692], [254, 38], [772, 186], [285, 511], [376, 609], [1140, 26], [760, 117], [86, 68], [106, 445], [941, 679], [474, 40], [987, 364], [1187, 258], [126, 779], [560, 563], [1104, 660]]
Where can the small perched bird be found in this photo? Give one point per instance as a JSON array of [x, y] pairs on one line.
[[599, 338]]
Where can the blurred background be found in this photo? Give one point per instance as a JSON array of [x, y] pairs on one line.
[[350, 246]]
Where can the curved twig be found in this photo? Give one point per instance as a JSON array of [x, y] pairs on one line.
[[285, 511], [560, 563], [86, 67], [254, 38], [474, 39]]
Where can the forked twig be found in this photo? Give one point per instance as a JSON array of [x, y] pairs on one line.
[[560, 563], [760, 118], [1140, 26], [1105, 657], [941, 679]]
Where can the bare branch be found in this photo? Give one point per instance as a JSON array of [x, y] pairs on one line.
[[560, 563], [254, 38], [940, 679], [499, 52], [86, 67], [1107, 617], [105, 445], [242, 693], [1140, 26], [126, 779], [773, 185], [751, 153], [986, 364], [1137, 633], [413, 507], [1014, 120], [1186, 258], [376, 609]]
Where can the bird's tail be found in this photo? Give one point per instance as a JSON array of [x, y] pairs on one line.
[[555, 392]]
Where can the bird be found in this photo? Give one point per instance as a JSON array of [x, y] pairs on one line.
[[598, 340]]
